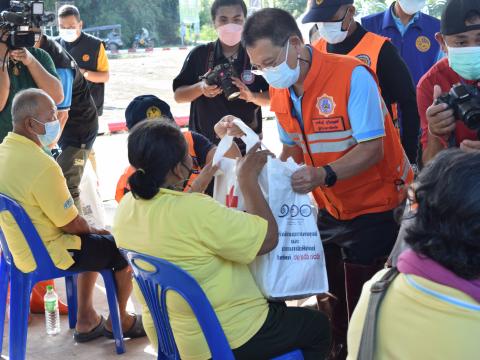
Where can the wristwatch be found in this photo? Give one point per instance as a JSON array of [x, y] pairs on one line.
[[85, 74], [331, 176]]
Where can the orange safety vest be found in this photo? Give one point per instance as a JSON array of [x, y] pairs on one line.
[[368, 51], [327, 137], [123, 187]]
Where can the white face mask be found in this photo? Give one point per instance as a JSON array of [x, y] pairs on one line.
[[411, 7], [332, 31], [282, 76], [68, 35]]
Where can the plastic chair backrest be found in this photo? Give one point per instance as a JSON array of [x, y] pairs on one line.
[[40, 253], [155, 284]]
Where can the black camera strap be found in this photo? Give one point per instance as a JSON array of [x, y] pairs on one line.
[[211, 58]]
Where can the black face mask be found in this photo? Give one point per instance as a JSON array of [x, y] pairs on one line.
[[184, 182]]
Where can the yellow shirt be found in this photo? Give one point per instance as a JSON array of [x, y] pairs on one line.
[[36, 182], [212, 243], [102, 61], [416, 324]]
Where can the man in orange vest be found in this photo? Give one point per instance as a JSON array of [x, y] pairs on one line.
[[330, 111], [341, 34], [201, 149]]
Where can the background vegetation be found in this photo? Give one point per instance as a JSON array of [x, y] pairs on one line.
[[161, 17]]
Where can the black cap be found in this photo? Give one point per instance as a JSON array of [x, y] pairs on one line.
[[146, 107], [323, 10], [454, 16]]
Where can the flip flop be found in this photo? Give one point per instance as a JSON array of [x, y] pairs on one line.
[[135, 331], [91, 335]]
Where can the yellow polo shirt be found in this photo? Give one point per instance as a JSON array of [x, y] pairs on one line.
[[212, 243], [419, 319], [36, 182]]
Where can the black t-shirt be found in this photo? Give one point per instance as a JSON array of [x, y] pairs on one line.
[[206, 112], [396, 85], [82, 124], [201, 146]]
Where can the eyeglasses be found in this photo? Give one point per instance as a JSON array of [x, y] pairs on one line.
[[259, 70]]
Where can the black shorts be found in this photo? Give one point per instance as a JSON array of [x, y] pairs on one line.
[[98, 252]]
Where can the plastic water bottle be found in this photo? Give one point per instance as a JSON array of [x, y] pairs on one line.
[[52, 316]]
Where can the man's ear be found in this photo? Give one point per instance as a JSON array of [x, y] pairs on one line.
[[441, 41], [177, 171], [81, 24]]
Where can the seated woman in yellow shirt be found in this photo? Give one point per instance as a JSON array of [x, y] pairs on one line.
[[431, 310], [215, 245]]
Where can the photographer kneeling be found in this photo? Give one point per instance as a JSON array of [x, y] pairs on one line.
[[445, 119], [214, 244], [431, 310]]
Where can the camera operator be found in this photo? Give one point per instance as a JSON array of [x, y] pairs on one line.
[[77, 115], [459, 37], [21, 69], [208, 104]]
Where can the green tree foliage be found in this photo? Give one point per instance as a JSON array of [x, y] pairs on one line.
[[161, 18]]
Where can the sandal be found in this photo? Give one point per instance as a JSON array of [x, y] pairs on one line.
[[91, 335], [135, 331]]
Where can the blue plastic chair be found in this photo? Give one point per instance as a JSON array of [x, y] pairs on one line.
[[166, 276], [21, 285]]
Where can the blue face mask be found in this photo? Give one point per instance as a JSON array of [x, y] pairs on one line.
[[282, 76], [52, 130], [465, 61]]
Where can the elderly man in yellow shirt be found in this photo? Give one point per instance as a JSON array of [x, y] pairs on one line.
[[32, 177]]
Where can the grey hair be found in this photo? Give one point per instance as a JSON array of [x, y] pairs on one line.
[[26, 103]]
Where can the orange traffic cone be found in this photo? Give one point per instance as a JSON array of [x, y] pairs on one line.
[[37, 305]]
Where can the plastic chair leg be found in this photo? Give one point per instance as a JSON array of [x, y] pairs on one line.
[[72, 300], [111, 290], [20, 288], [3, 296]]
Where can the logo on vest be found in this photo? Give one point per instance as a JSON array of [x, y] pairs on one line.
[[423, 44], [247, 77], [326, 105], [85, 57], [365, 59], [319, 2], [153, 112]]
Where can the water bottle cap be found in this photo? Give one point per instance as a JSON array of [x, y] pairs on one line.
[[49, 287]]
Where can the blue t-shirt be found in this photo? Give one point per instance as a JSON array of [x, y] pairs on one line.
[[66, 77], [364, 109]]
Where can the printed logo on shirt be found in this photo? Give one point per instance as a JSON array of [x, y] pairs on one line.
[[79, 162], [423, 44], [326, 105], [247, 77], [153, 112], [365, 59], [328, 124], [85, 57], [319, 2], [68, 204]]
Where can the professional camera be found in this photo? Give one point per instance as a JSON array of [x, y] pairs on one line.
[[465, 102], [221, 75], [18, 20]]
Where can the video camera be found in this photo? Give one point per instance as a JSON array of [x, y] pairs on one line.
[[465, 102], [18, 20], [221, 75]]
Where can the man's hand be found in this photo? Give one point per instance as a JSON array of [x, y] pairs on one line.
[[441, 121], [250, 166], [470, 145], [307, 178], [226, 127], [22, 55], [245, 93], [200, 184]]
